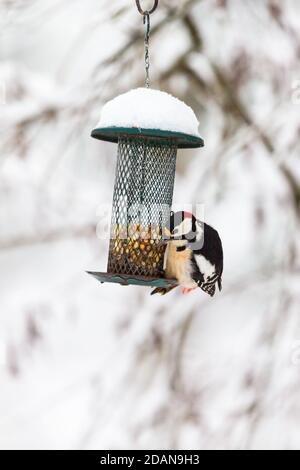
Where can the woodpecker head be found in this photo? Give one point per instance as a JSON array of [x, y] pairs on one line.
[[182, 227]]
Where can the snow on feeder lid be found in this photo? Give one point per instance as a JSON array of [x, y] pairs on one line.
[[149, 126], [149, 113]]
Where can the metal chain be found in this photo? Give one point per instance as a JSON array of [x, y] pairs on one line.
[[146, 16], [147, 55]]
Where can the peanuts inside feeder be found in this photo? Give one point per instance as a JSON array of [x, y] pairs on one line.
[[148, 126]]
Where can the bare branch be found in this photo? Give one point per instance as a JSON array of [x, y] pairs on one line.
[[85, 231]]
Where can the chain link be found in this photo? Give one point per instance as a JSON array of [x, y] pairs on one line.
[[147, 55]]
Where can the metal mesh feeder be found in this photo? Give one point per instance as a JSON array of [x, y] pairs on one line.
[[144, 181]]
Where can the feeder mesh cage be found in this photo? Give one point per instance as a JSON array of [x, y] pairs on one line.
[[141, 205]]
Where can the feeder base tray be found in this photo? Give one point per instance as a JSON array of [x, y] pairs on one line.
[[130, 280]]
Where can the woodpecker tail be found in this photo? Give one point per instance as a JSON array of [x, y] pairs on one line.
[[220, 283], [162, 290], [209, 289]]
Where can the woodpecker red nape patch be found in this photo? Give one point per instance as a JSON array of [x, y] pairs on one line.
[[188, 215]]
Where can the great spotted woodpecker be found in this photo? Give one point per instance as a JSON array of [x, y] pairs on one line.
[[194, 255]]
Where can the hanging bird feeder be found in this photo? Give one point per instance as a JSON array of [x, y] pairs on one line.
[[148, 126]]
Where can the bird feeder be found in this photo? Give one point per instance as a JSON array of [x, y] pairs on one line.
[[148, 126]]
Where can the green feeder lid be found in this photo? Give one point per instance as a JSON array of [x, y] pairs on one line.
[[112, 134], [152, 114]]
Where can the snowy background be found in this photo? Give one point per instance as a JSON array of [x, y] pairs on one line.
[[84, 366]]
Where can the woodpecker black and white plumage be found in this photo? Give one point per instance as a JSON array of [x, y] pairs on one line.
[[194, 255]]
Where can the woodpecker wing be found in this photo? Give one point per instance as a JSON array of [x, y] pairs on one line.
[[208, 262]]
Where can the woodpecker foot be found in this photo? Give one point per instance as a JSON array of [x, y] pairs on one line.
[[186, 290]]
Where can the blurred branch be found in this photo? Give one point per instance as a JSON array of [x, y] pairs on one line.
[[173, 15], [238, 110], [238, 107], [294, 186], [176, 377], [85, 231], [193, 30]]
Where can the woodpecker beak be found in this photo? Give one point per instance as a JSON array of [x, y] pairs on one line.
[[168, 234]]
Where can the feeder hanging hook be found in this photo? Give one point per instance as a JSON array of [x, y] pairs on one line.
[[142, 12]]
